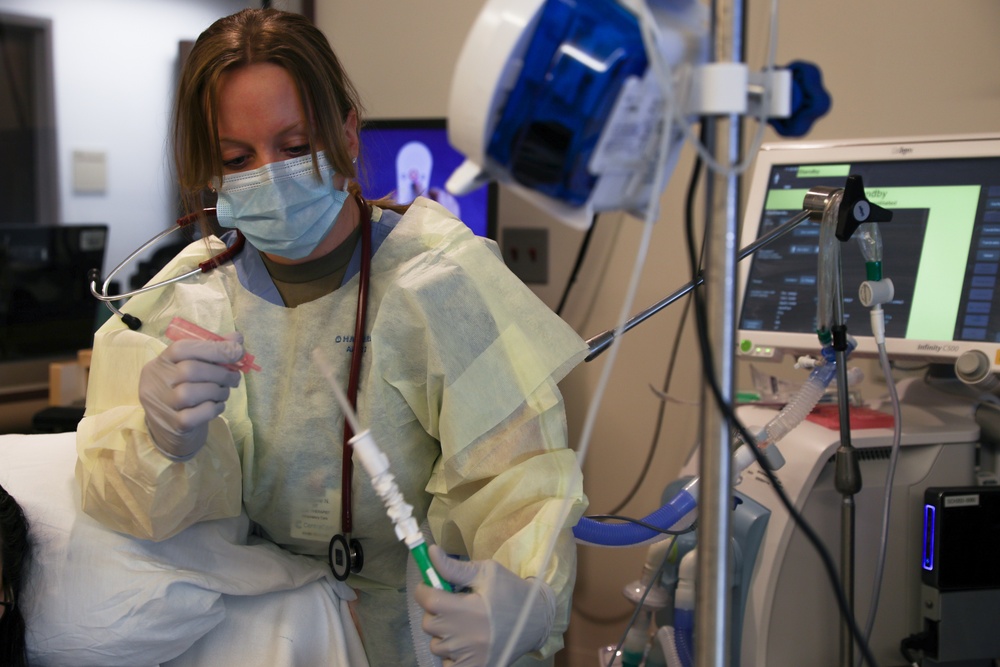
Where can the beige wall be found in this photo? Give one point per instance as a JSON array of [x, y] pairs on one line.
[[894, 67]]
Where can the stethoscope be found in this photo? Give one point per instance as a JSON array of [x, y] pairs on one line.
[[344, 552], [133, 322]]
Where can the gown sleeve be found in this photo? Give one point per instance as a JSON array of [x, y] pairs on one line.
[[515, 513], [125, 482], [477, 358]]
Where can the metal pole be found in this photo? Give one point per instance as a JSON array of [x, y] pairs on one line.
[[722, 197], [848, 473]]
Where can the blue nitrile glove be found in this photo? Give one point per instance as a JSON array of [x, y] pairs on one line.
[[184, 388], [472, 629]]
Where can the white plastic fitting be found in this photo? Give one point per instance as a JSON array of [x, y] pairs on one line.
[[973, 368], [719, 88], [685, 594], [377, 466], [875, 292], [775, 87]]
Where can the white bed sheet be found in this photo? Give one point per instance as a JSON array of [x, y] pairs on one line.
[[208, 596]]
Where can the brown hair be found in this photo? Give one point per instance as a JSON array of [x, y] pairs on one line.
[[257, 36]]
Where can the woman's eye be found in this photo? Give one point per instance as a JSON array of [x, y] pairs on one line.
[[235, 163], [298, 150]]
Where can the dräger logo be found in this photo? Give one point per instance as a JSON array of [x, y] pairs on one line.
[[902, 150]]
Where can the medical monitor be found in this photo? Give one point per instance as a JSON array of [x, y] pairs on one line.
[[46, 309], [407, 158], [941, 250]]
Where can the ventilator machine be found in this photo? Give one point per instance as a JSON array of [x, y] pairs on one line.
[[805, 530]]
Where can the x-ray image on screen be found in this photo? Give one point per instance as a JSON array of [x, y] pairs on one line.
[[406, 159]]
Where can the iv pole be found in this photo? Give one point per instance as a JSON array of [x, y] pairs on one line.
[[724, 139]]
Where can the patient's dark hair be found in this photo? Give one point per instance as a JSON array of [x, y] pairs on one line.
[[15, 550]]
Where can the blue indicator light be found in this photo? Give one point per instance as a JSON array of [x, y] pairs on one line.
[[929, 527]]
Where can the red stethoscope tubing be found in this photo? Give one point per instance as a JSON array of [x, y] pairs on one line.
[[347, 470]]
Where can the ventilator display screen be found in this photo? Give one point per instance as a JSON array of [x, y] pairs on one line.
[[407, 158], [941, 250]]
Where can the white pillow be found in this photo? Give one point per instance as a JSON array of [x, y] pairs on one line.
[[96, 597]]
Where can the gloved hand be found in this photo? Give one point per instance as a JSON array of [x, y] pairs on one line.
[[472, 629], [185, 388]]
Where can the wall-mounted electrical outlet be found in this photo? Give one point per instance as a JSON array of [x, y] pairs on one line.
[[526, 253]]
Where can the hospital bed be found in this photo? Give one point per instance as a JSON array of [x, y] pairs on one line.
[[211, 595]]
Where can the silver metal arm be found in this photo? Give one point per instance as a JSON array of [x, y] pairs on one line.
[[602, 341]]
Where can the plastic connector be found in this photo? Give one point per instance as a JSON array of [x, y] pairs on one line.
[[773, 87], [877, 316], [876, 292], [973, 368], [719, 88]]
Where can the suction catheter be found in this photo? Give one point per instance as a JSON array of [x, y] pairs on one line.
[[376, 465]]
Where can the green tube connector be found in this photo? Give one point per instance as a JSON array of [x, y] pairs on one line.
[[427, 571], [873, 270]]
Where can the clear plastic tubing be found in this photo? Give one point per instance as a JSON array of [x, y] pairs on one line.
[[802, 403], [590, 531], [827, 266]]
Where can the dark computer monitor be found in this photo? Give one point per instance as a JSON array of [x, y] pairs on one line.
[[46, 308], [410, 157]]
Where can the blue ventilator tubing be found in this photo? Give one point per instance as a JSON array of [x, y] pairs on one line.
[[629, 534], [684, 635]]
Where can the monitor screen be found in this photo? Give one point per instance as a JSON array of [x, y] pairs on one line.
[[46, 308], [406, 158], [941, 250]]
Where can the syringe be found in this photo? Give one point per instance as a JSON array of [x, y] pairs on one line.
[[376, 465]]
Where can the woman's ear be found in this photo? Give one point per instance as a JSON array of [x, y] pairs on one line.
[[351, 133]]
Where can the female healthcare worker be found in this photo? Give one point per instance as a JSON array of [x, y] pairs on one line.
[[457, 379]]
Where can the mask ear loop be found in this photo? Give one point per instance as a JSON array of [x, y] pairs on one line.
[[347, 181]]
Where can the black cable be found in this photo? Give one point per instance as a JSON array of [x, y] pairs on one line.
[[671, 363], [644, 524], [580, 255], [708, 365], [910, 646]]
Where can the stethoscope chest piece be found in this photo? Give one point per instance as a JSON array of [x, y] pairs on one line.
[[346, 557]]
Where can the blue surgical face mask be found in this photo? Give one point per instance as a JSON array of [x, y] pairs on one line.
[[283, 208]]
